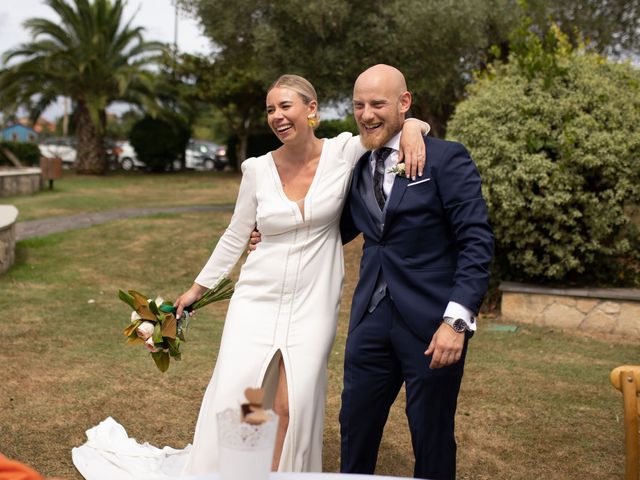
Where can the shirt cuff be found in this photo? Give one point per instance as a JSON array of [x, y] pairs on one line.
[[455, 310]]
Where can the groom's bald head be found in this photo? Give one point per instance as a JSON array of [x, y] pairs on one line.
[[380, 102]]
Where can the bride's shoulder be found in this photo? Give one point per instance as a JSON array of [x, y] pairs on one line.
[[341, 139], [255, 164]]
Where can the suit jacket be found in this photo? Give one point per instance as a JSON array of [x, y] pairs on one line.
[[432, 244]]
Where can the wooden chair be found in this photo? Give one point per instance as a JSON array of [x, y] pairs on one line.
[[626, 378]]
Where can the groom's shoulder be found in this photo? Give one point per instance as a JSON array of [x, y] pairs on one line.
[[444, 147], [442, 152]]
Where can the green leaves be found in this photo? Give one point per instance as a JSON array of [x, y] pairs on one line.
[[557, 149], [126, 298], [162, 360]]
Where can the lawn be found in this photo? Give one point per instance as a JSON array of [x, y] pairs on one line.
[[535, 403], [75, 194]]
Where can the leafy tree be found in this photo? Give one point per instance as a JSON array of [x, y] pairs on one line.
[[237, 92], [159, 142], [90, 54], [554, 134], [611, 27], [119, 127], [438, 44]]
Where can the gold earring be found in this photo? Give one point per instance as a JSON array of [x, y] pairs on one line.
[[311, 120]]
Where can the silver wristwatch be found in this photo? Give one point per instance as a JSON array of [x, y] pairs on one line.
[[458, 324]]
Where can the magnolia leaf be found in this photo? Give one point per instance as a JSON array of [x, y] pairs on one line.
[[169, 326], [135, 340], [131, 329], [174, 347], [126, 298], [157, 333], [153, 307], [162, 360], [142, 306]]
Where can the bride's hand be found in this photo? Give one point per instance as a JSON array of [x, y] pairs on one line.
[[412, 147], [187, 298]]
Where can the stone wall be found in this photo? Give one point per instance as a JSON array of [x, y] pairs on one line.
[[19, 181], [604, 310], [8, 216]]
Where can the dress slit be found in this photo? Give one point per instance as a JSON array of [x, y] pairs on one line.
[[270, 378], [269, 383]]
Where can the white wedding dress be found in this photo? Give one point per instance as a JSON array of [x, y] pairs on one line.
[[285, 304]]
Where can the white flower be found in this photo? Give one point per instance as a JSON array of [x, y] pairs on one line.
[[145, 331], [151, 346], [398, 169]]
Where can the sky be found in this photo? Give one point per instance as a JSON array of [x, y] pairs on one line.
[[156, 16]]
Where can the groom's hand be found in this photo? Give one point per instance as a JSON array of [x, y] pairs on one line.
[[445, 347], [254, 240]]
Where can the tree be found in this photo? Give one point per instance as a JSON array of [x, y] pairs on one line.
[[554, 134], [89, 54], [438, 44], [238, 92], [610, 27]]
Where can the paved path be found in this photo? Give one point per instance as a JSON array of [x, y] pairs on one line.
[[46, 226]]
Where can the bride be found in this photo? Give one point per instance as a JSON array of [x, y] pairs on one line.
[[282, 318]]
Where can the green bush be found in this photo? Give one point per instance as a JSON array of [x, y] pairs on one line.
[[555, 135], [158, 142], [27, 153], [334, 127]]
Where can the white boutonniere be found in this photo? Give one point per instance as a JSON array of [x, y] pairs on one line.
[[398, 169]]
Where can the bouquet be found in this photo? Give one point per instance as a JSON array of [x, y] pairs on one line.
[[154, 322]]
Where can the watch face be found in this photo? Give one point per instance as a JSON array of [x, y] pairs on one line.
[[459, 325]]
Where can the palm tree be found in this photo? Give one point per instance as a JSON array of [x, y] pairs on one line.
[[88, 54]]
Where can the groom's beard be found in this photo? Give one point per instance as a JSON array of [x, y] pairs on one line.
[[380, 137]]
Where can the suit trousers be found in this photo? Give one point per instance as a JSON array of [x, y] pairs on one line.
[[381, 354]]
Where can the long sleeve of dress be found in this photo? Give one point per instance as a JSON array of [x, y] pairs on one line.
[[235, 238]]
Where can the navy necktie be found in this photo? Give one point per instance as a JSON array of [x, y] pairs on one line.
[[378, 175]]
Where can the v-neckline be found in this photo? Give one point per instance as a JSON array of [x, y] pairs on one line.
[[303, 200]]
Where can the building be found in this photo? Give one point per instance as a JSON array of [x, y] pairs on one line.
[[18, 133]]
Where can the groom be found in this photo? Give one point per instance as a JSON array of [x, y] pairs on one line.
[[423, 274]]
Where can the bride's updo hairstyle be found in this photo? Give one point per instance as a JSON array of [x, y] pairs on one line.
[[302, 87]]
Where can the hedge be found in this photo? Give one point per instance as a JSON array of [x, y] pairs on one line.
[[558, 146]]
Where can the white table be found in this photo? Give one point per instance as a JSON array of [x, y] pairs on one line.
[[304, 476]]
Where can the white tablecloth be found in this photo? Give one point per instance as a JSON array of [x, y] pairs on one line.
[[304, 476]]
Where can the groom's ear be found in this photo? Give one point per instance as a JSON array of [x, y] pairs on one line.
[[405, 102]]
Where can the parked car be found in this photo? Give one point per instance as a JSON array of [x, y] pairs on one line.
[[61, 147], [127, 157], [203, 155]]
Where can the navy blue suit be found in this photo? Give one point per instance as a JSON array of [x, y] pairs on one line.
[[431, 245]]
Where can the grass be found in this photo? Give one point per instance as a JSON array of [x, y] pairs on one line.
[[535, 403], [75, 194]]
